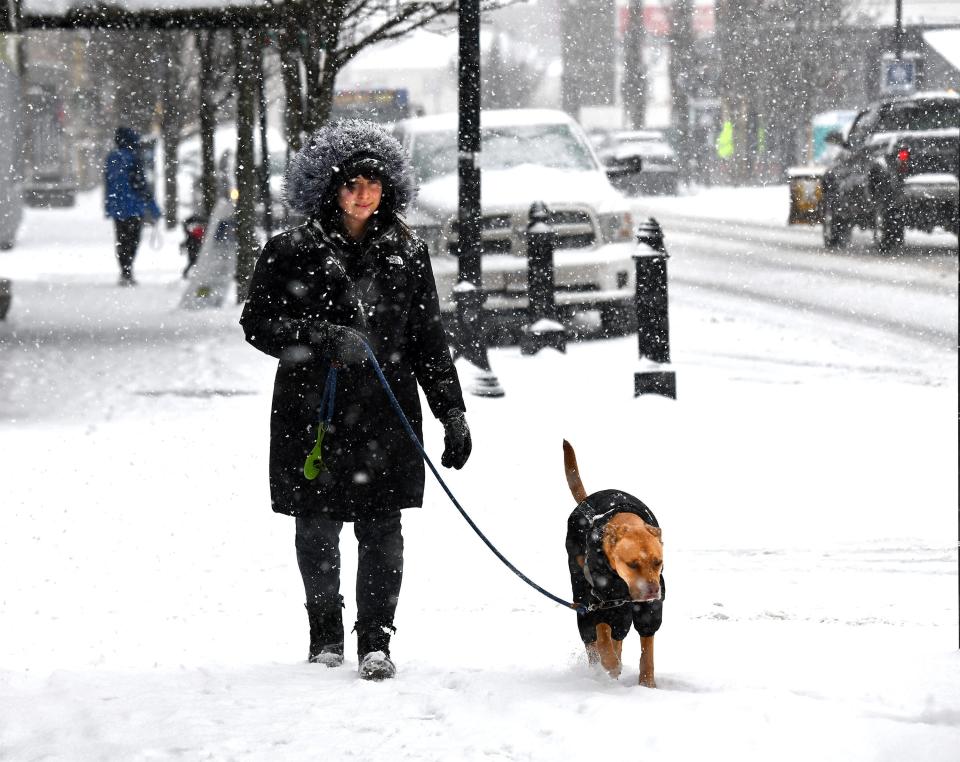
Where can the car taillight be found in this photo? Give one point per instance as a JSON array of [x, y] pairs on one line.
[[195, 231], [903, 160]]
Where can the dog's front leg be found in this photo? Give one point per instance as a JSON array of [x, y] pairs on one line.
[[646, 663], [608, 650]]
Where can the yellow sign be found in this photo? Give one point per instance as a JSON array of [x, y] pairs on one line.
[[724, 142]]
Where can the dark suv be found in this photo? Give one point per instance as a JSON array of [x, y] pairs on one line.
[[898, 169]]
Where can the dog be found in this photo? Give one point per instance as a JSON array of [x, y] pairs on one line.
[[615, 556]]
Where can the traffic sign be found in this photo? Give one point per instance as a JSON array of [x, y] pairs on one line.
[[899, 76]]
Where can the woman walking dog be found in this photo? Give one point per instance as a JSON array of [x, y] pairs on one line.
[[353, 266]]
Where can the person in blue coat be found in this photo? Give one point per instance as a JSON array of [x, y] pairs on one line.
[[128, 199]]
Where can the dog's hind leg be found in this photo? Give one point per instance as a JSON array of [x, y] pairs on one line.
[[593, 655], [646, 663], [609, 650]]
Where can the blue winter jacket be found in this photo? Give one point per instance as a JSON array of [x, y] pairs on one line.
[[127, 194]]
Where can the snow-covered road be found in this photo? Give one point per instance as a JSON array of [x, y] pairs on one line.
[[806, 479], [912, 293]]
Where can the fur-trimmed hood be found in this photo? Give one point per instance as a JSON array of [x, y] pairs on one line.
[[307, 183]]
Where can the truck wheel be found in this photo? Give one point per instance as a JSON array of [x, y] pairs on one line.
[[888, 227], [836, 228]]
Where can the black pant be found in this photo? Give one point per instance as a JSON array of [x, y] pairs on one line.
[[127, 234], [379, 564]]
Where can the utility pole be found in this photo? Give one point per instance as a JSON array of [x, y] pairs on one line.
[[245, 77], [9, 16], [468, 293], [681, 78], [634, 85], [898, 30]]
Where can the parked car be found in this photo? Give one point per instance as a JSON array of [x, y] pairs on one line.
[[898, 168], [527, 155], [638, 162]]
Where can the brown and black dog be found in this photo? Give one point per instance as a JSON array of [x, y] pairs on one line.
[[615, 556]]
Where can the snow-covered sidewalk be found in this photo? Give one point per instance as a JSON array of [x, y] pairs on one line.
[[151, 606]]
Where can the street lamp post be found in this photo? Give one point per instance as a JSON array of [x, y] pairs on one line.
[[468, 293]]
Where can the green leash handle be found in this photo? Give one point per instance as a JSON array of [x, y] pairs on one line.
[[314, 464]]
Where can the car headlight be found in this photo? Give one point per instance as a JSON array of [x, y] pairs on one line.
[[616, 227]]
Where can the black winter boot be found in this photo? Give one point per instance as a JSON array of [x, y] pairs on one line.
[[326, 634], [373, 649]]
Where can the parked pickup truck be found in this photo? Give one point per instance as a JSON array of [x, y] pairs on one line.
[[898, 168], [528, 155]]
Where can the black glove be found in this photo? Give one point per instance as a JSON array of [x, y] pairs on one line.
[[342, 346], [456, 440]]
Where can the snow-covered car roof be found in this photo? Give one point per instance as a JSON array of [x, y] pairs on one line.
[[894, 135], [929, 95], [551, 155], [835, 118], [638, 135], [649, 148]]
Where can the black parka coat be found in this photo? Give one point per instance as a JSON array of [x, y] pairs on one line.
[[383, 285]]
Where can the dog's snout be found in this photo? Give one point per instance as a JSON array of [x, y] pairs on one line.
[[646, 593]]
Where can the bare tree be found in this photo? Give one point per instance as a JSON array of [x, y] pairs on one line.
[[781, 61], [171, 121], [315, 41], [205, 43], [128, 65], [507, 80], [324, 37]]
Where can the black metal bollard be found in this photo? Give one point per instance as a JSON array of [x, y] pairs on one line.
[[6, 297], [471, 341], [542, 329], [653, 320]]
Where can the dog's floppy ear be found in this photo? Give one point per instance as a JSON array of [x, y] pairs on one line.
[[655, 531]]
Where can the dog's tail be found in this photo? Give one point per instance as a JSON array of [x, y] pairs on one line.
[[573, 473]]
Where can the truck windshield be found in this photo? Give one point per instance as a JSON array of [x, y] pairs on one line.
[[547, 145], [920, 115]]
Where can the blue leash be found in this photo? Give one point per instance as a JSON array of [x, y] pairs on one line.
[[579, 608], [329, 396]]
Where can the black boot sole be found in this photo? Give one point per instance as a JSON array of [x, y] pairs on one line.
[[377, 669]]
